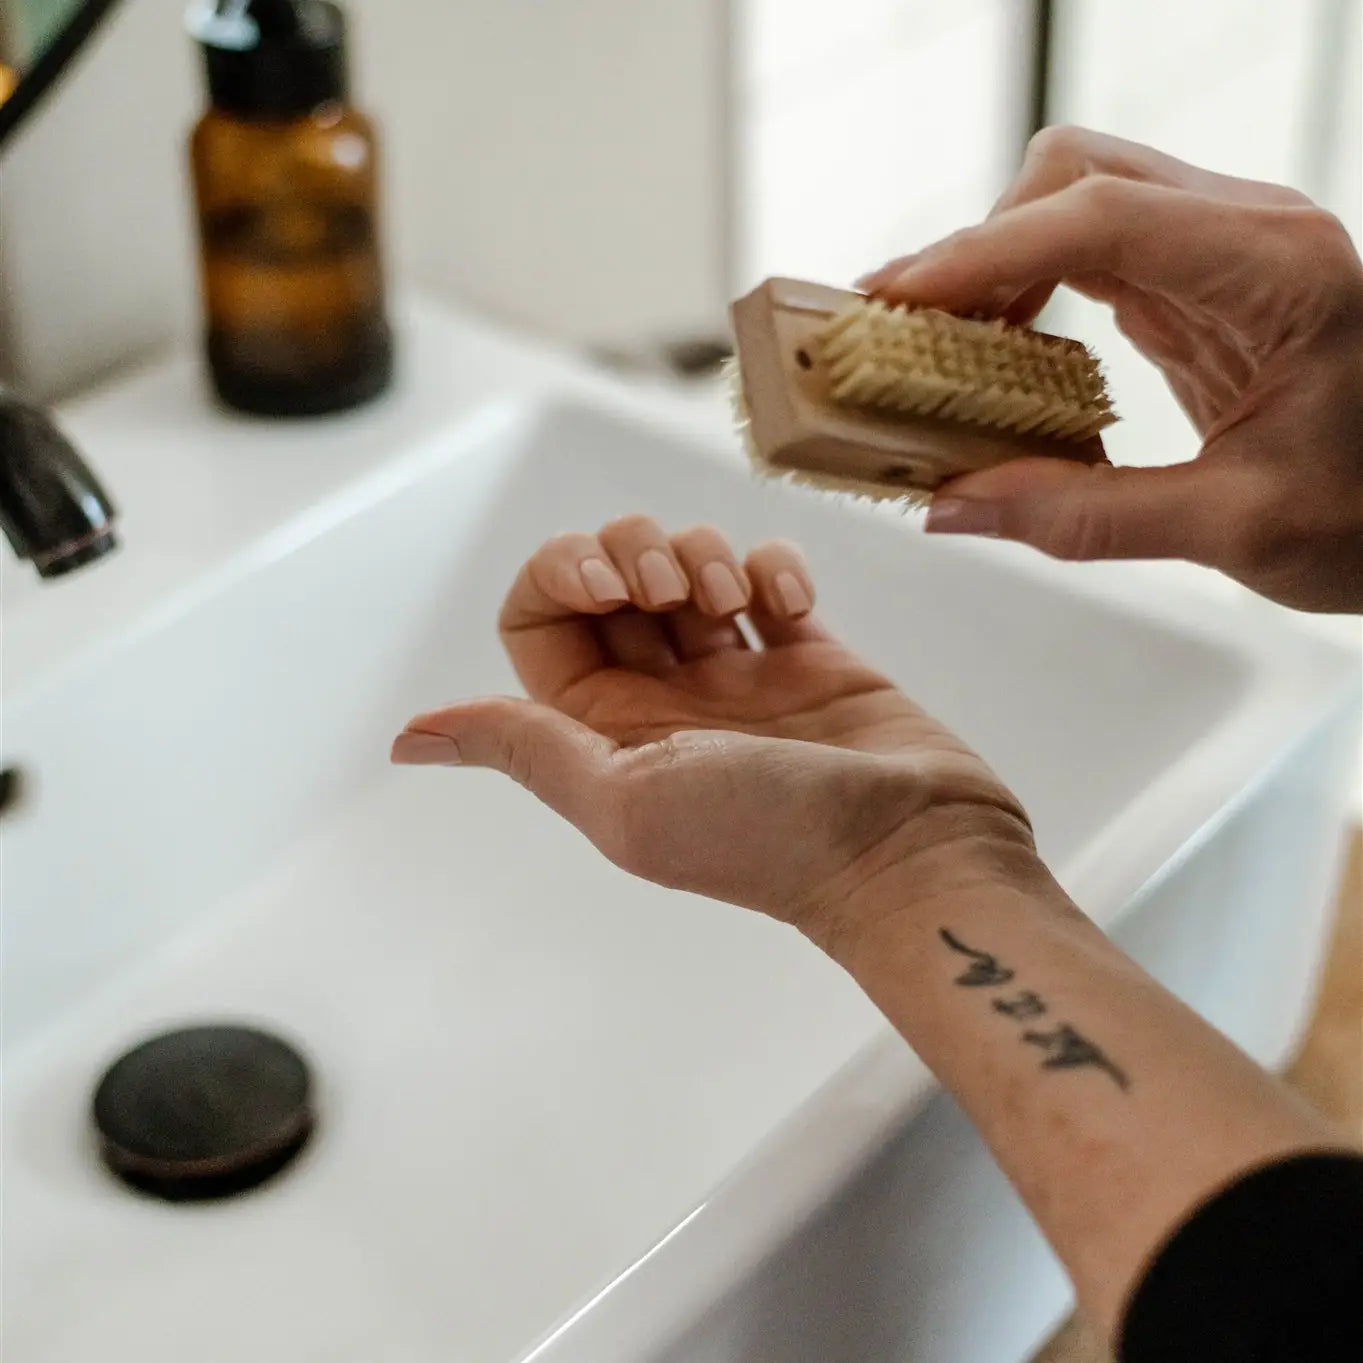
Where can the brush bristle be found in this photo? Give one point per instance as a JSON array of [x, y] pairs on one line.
[[983, 373], [908, 498], [738, 407]]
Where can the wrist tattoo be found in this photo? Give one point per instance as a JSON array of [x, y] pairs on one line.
[[1026, 1005], [983, 969], [1066, 1050], [1065, 1047]]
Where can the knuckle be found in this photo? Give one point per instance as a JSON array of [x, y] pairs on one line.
[[1323, 224], [1060, 141], [697, 529], [1079, 530], [565, 540], [778, 549], [962, 239], [1103, 194], [1316, 230], [518, 748], [1287, 197], [1334, 264], [1333, 244], [1309, 255], [635, 524], [540, 576], [700, 540], [520, 762], [702, 530]]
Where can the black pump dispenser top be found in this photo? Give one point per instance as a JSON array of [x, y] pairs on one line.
[[271, 59]]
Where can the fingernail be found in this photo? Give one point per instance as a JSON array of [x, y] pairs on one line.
[[661, 582], [723, 588], [424, 750], [792, 594], [602, 582], [959, 516]]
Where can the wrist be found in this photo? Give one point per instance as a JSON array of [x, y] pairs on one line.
[[942, 855]]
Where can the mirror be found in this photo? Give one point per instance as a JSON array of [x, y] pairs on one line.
[[37, 40]]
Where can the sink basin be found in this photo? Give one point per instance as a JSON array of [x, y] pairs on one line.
[[565, 1114]]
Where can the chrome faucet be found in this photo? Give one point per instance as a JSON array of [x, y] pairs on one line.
[[52, 508]]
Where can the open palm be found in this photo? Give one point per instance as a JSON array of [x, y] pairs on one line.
[[689, 714]]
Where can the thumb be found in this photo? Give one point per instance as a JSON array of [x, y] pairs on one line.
[[1079, 511], [562, 762]]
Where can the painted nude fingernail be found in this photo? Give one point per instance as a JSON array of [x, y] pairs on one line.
[[791, 593], [661, 582], [424, 750], [961, 516], [602, 582], [722, 588]]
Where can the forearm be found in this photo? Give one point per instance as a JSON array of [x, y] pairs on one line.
[[1112, 1107]]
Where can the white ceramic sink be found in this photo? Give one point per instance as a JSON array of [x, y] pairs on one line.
[[564, 1112]]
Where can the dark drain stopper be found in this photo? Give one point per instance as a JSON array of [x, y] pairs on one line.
[[203, 1112]]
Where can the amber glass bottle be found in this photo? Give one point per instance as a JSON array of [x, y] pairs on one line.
[[285, 187]]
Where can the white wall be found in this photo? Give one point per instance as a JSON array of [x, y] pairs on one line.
[[561, 163], [859, 138]]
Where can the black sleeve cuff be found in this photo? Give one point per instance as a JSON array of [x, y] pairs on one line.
[[1269, 1270]]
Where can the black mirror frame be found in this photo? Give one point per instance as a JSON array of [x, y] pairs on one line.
[[51, 63]]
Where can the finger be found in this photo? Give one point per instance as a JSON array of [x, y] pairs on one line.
[[542, 622], [719, 586], [1059, 156], [1072, 511], [1021, 307], [564, 763], [636, 641], [781, 581], [1027, 306], [875, 278], [566, 576], [1055, 157], [642, 554], [695, 635], [776, 631], [1197, 250], [783, 595]]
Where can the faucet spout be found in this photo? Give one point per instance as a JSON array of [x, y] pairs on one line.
[[52, 508]]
